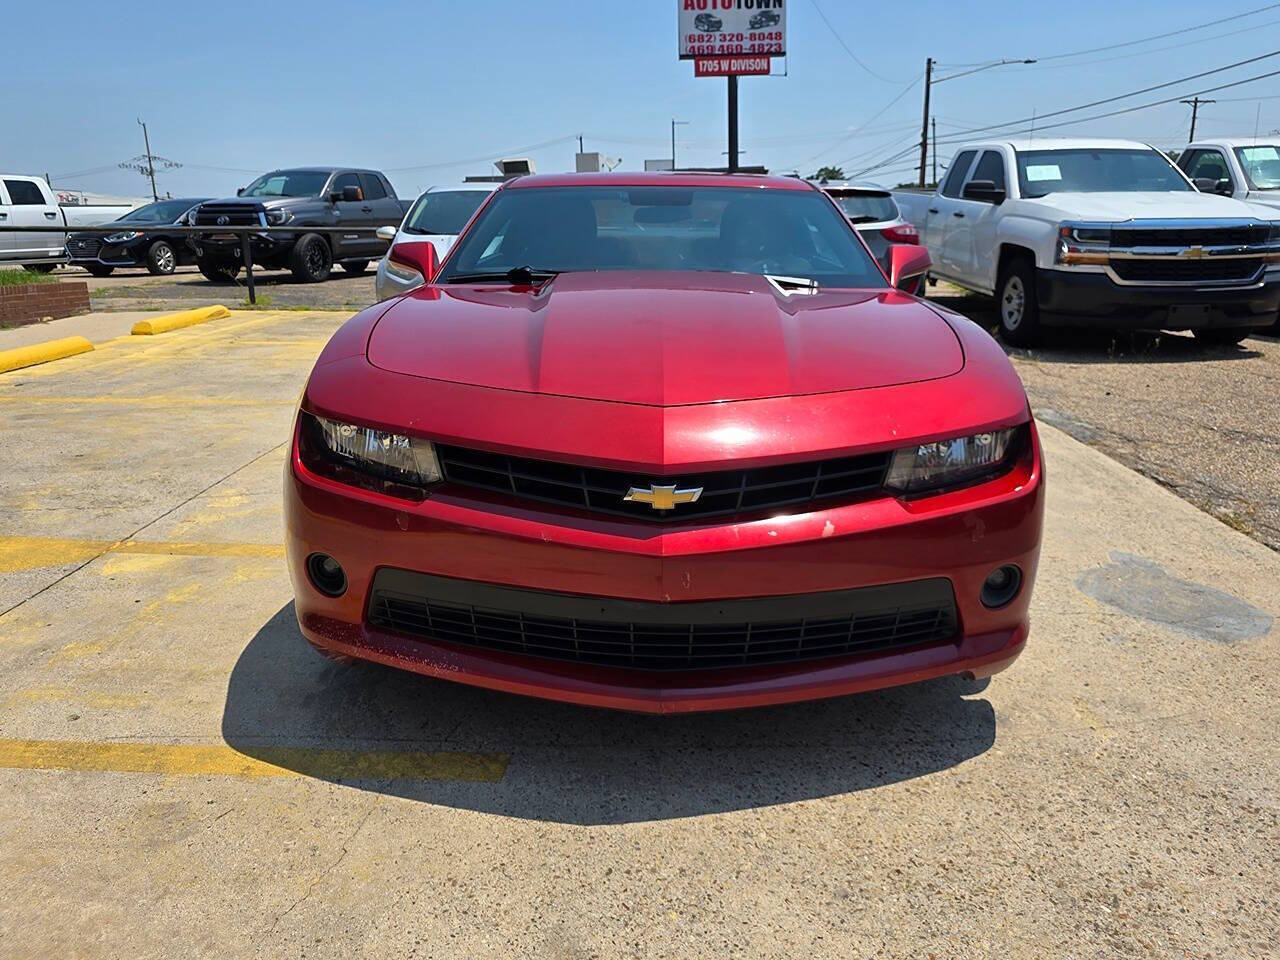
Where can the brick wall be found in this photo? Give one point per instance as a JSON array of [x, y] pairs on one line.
[[33, 302]]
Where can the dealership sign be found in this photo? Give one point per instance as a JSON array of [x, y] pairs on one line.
[[732, 66], [740, 30]]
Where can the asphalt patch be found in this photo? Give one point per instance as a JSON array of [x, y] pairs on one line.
[[1146, 590]]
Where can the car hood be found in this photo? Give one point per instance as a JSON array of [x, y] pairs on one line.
[[1118, 207], [664, 339]]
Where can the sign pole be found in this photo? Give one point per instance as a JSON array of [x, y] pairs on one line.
[[733, 124]]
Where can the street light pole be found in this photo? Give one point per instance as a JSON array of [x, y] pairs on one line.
[[733, 123]]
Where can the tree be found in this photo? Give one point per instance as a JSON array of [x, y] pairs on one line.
[[829, 173]]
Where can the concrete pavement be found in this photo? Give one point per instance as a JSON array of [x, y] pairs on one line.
[[180, 773]]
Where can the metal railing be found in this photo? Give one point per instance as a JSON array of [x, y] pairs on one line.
[[243, 231]]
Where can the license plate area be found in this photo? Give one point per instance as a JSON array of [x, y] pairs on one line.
[[1190, 314]]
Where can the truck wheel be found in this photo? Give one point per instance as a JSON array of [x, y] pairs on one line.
[[39, 267], [99, 269], [311, 260], [1017, 305], [218, 271], [161, 260], [1223, 336], [355, 267]]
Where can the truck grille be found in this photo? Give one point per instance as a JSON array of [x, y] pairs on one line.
[[237, 214], [84, 248], [1187, 271], [644, 635], [724, 493], [1236, 235]]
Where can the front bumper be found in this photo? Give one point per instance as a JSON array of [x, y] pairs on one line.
[[959, 537], [1075, 298]]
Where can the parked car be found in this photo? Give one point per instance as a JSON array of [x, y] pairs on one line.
[[874, 214], [141, 242], [1104, 233], [664, 470], [1247, 168], [708, 23], [437, 216], [307, 197], [765, 18], [28, 202]]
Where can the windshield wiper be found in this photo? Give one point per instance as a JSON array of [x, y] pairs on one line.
[[517, 275]]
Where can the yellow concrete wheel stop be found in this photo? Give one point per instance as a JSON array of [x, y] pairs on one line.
[[20, 357], [176, 321]]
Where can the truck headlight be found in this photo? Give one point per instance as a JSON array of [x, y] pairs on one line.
[[1084, 243], [124, 237], [366, 457], [276, 218], [953, 463]]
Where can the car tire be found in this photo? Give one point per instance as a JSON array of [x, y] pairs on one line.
[[311, 260], [1223, 336], [39, 267], [1016, 303], [162, 260], [99, 269], [355, 267], [218, 271]]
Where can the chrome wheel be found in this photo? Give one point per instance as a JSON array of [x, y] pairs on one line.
[[165, 259], [1013, 303]]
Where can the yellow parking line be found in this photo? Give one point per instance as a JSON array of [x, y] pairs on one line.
[[31, 553], [223, 761]]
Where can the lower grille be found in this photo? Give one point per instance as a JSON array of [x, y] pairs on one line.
[[665, 637], [724, 492], [84, 248], [1187, 271]]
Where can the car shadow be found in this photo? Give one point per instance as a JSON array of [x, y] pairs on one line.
[[1085, 346], [571, 764]]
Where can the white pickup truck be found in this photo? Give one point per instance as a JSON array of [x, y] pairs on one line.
[[1105, 233], [1247, 169], [28, 202]]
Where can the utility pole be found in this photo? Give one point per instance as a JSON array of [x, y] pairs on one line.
[[935, 150], [151, 167], [581, 149], [1195, 104], [733, 123], [924, 124], [675, 123]]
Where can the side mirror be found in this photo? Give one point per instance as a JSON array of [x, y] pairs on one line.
[[1223, 187], [347, 194], [418, 256], [387, 234], [907, 264], [1205, 184], [239, 191], [984, 191]]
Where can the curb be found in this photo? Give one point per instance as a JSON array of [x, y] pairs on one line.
[[20, 357], [176, 321]]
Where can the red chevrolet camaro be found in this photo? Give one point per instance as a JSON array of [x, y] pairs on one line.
[[664, 443]]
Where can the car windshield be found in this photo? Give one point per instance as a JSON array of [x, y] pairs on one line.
[[865, 207], [1261, 165], [1042, 172], [443, 212], [166, 211], [288, 183], [788, 233]]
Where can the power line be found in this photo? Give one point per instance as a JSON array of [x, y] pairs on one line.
[[1145, 53], [488, 156], [862, 128], [853, 56]]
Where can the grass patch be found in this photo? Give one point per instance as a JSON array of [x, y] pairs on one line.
[[264, 303], [17, 278]]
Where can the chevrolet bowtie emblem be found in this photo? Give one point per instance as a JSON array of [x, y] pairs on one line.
[[663, 498], [1195, 253]]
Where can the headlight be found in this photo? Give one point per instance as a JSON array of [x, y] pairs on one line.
[[122, 237], [952, 463], [276, 218], [1080, 243], [374, 459]]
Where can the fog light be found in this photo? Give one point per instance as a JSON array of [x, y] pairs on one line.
[[1001, 586], [327, 574]]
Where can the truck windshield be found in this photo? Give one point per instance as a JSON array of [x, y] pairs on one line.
[[1261, 165], [166, 211], [443, 212], [287, 183], [1042, 172], [788, 233]]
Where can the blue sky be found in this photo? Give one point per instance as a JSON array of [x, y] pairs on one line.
[[431, 91]]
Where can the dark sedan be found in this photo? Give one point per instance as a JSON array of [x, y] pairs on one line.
[[140, 242]]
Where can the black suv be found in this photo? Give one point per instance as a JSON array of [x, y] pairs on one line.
[[707, 23], [306, 197], [765, 18]]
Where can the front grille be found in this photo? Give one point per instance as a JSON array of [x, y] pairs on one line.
[[84, 248], [724, 492], [1230, 236], [237, 214], [1187, 271], [664, 637]]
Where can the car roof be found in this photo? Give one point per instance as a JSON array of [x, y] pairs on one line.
[[462, 187], [645, 179], [1059, 143], [1233, 142]]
